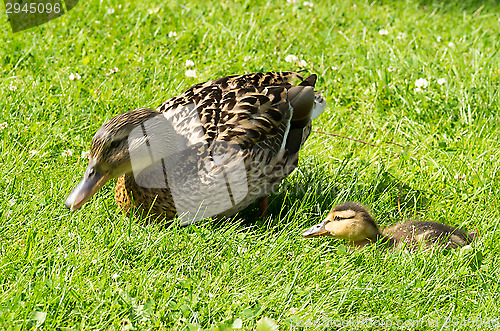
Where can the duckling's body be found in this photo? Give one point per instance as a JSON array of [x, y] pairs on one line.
[[427, 233], [222, 145], [354, 223]]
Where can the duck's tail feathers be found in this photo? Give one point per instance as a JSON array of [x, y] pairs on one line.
[[309, 80], [319, 105]]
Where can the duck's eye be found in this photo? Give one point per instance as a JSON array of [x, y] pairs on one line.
[[114, 144], [336, 218]]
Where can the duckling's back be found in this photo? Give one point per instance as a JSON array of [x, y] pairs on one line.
[[430, 234]]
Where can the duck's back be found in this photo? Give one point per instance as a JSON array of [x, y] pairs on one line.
[[413, 233], [245, 109]]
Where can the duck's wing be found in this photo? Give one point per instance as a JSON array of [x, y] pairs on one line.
[[251, 115], [200, 92], [249, 109]]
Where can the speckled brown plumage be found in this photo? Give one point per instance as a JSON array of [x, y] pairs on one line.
[[261, 118], [129, 194]]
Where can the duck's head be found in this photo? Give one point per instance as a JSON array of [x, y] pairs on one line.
[[348, 221], [110, 153]]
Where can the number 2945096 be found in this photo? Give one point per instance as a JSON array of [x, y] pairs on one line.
[[33, 8]]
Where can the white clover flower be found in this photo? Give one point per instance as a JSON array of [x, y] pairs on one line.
[[418, 90], [391, 69], [401, 36], [291, 58], [97, 22], [12, 88], [460, 177], [85, 154], [238, 323], [111, 71], [190, 73], [172, 34], [33, 152], [3, 125], [441, 81], [293, 311], [450, 44], [383, 32], [73, 76], [290, 2], [115, 275], [421, 82], [67, 153], [302, 63], [308, 4], [111, 11], [438, 39], [189, 63], [153, 11], [12, 202], [335, 68]]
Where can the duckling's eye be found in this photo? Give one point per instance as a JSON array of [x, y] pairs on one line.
[[339, 218]]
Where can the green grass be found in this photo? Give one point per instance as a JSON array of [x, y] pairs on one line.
[[98, 269]]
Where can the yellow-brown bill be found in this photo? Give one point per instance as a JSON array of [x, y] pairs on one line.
[[316, 231], [92, 181]]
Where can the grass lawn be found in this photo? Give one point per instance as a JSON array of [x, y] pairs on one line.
[[436, 158]]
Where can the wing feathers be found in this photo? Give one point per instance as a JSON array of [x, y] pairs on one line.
[[248, 109]]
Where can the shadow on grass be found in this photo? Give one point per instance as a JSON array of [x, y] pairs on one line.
[[315, 189]]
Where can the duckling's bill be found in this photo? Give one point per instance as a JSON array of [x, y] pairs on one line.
[[92, 181], [316, 231]]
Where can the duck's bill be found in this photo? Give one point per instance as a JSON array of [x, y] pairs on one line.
[[91, 183], [316, 231]]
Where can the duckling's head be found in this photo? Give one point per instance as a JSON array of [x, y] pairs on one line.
[[112, 146], [348, 221]]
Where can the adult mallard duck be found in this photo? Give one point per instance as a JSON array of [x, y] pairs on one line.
[[354, 223], [210, 151]]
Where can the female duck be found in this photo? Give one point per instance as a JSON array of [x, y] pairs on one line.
[[210, 151], [354, 223]]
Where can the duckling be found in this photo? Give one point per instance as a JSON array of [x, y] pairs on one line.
[[352, 222], [211, 151]]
